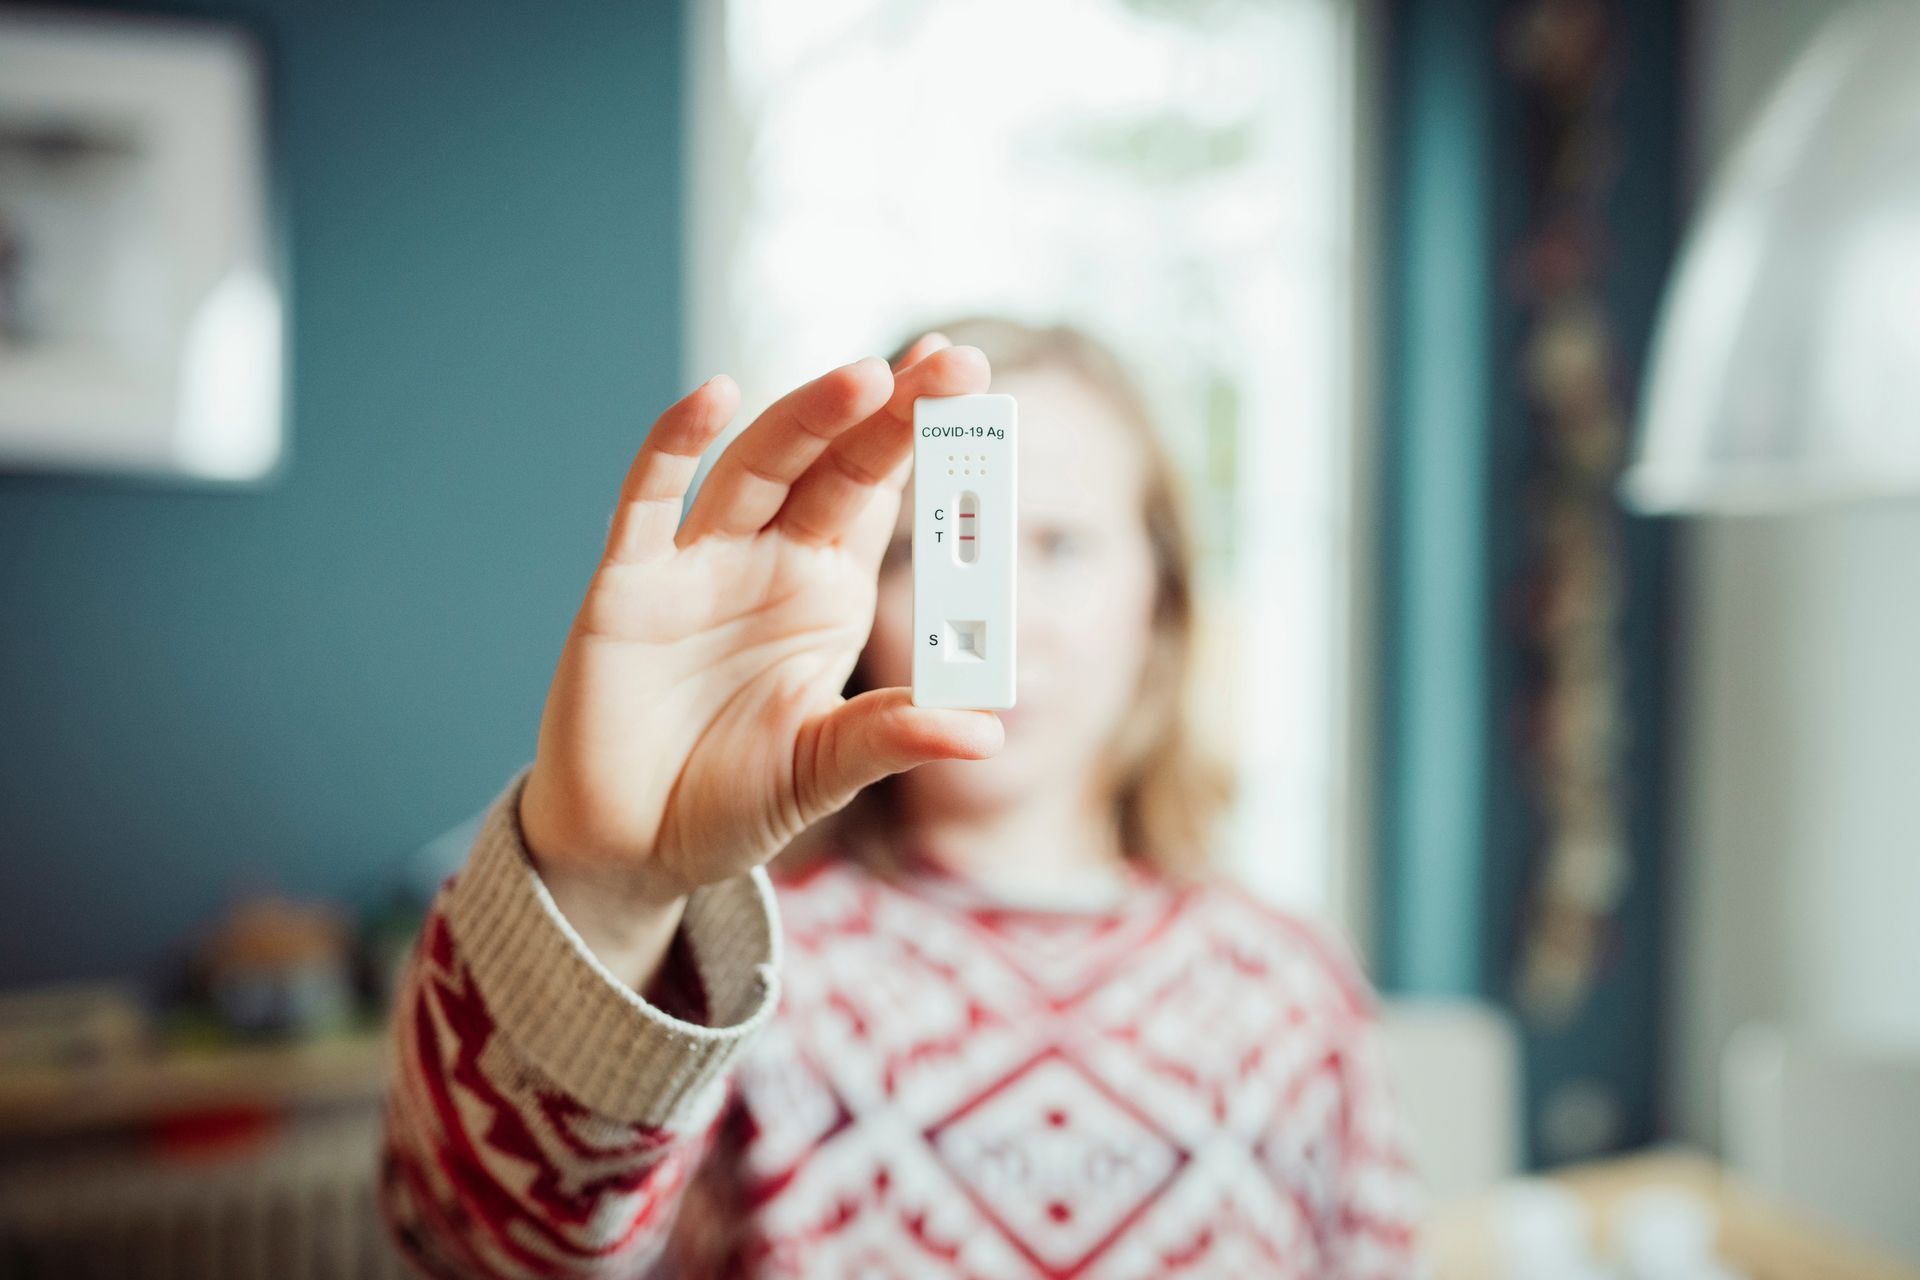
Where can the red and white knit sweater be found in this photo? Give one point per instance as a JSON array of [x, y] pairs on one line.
[[859, 1078]]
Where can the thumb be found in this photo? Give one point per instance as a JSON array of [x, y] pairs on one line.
[[879, 733]]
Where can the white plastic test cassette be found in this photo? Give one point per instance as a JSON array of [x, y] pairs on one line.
[[964, 540]]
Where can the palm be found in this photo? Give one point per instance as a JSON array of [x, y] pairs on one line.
[[732, 648], [695, 724]]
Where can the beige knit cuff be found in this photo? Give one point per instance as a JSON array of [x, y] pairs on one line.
[[589, 1033]]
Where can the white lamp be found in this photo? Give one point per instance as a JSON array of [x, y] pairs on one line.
[[1786, 366]]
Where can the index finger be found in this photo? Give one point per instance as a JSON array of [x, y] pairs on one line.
[[869, 462], [749, 483], [923, 346]]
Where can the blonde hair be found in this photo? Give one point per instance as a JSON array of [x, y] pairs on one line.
[[1168, 791]]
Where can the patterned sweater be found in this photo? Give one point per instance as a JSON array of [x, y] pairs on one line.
[[857, 1077]]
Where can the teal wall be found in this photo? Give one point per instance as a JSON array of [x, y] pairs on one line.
[[294, 687], [1442, 177]]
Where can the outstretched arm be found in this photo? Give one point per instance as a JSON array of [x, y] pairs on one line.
[[544, 1115]]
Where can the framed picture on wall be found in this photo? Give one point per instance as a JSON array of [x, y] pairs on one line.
[[140, 294]]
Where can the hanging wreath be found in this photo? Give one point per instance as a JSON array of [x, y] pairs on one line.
[[1562, 55]]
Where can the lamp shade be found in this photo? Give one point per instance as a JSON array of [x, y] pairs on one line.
[[1786, 364]]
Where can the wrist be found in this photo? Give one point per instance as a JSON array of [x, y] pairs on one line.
[[627, 924], [560, 849], [630, 938]]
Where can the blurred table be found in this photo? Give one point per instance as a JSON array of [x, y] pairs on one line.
[[1763, 1240], [139, 1090], [245, 1160]]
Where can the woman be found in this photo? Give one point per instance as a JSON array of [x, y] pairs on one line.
[[991, 1018]]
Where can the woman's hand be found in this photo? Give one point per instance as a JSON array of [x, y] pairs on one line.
[[695, 725]]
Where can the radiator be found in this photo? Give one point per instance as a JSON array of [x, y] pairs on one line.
[[301, 1207]]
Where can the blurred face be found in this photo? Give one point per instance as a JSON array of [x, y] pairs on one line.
[[1085, 583]]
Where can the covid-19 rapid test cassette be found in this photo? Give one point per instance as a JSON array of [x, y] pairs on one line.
[[965, 483]]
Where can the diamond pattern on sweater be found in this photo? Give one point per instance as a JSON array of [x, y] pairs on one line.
[[1181, 1082], [1056, 1159]]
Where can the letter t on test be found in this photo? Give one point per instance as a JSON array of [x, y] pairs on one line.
[[964, 544]]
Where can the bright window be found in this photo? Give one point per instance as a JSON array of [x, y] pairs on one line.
[[1176, 176]]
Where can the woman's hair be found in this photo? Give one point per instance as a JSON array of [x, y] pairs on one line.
[[1168, 791]]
